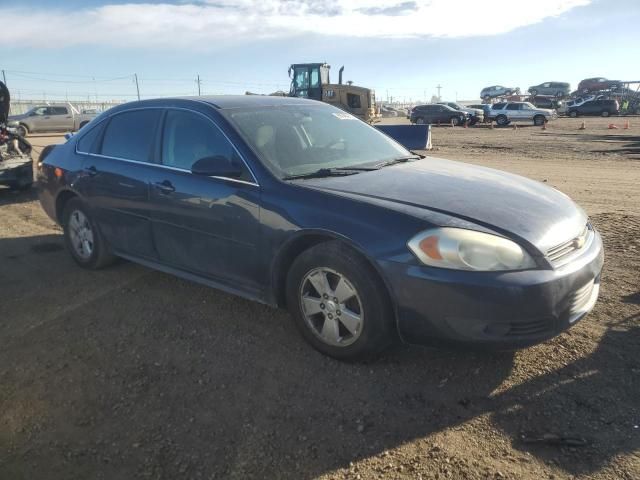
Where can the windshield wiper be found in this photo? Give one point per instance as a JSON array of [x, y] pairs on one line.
[[327, 172], [398, 160]]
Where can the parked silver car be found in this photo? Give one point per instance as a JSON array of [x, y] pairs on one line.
[[475, 114], [497, 91], [505, 112], [556, 89], [50, 118]]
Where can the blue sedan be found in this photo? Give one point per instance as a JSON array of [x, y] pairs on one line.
[[297, 204]]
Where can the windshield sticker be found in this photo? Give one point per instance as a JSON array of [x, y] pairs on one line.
[[344, 116]]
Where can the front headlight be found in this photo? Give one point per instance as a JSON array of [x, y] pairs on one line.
[[461, 249]]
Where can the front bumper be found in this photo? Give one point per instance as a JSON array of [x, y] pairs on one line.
[[499, 310]]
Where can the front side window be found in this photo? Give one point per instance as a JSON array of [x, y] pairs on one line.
[[130, 135], [299, 139], [188, 137], [40, 111]]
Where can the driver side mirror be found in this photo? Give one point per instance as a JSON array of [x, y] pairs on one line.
[[216, 166]]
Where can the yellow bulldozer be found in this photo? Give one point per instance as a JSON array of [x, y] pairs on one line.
[[311, 80]]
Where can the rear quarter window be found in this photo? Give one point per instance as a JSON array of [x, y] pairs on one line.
[[89, 141], [130, 135]]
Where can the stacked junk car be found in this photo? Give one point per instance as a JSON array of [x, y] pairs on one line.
[[16, 164]]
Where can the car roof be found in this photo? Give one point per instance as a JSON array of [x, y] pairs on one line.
[[222, 102]]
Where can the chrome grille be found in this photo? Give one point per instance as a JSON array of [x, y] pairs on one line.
[[560, 254]]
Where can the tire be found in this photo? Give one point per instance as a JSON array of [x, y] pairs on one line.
[[508, 92], [605, 113], [539, 120], [486, 98], [455, 121], [96, 252], [534, 92], [420, 121], [82, 125], [22, 130], [337, 268], [573, 113], [502, 120]]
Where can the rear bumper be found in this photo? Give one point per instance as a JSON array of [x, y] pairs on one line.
[[16, 171], [497, 310]]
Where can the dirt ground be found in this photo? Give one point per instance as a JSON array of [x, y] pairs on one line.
[[129, 373]]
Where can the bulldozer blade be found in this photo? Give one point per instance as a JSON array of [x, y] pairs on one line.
[[411, 137]]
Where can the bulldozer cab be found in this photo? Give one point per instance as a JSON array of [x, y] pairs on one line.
[[311, 80], [307, 79]]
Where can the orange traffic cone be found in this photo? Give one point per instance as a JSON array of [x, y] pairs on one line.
[[582, 127], [491, 125], [612, 127], [452, 125], [626, 125], [466, 124], [544, 125], [515, 127]]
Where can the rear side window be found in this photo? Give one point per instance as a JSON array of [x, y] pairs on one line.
[[513, 106], [88, 143], [59, 110], [498, 106], [130, 135]]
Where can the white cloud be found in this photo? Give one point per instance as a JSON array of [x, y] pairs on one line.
[[206, 24]]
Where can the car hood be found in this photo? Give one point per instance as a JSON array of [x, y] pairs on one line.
[[4, 103], [505, 203]]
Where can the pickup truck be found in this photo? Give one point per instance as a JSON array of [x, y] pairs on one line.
[[50, 118], [505, 112]]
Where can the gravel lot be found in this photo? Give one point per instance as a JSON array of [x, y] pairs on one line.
[[128, 373]]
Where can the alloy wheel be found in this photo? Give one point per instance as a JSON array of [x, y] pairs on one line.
[[81, 234], [331, 307]]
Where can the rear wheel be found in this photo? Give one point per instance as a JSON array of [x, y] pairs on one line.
[[420, 121], [455, 121], [534, 92], [82, 237], [338, 302], [502, 120], [573, 114], [605, 113]]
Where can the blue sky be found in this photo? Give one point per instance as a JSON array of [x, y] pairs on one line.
[[401, 48]]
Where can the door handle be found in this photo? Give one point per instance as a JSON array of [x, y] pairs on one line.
[[91, 171], [165, 186]]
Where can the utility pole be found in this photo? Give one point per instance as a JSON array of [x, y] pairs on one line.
[[4, 77], [137, 86], [439, 87], [198, 82]]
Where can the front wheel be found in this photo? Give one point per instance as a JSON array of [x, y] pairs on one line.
[[502, 120], [22, 130], [605, 113], [82, 237], [455, 121], [534, 92], [420, 121], [538, 120], [573, 114], [338, 302]]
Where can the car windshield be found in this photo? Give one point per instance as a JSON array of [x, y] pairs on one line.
[[296, 140]]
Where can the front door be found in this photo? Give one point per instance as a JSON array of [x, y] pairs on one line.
[[116, 171], [208, 226]]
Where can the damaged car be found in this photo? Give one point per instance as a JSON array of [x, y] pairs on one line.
[[16, 164], [298, 204]]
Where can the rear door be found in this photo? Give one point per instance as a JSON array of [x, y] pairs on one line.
[[513, 111], [116, 179], [208, 226], [61, 118]]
